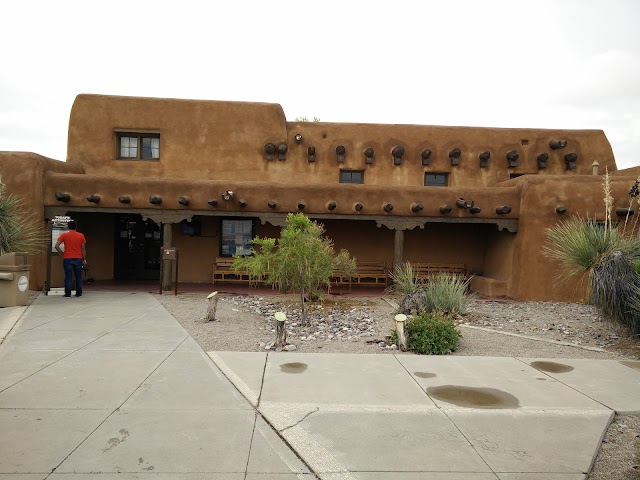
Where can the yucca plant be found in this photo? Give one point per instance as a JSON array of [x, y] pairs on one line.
[[19, 232], [606, 257]]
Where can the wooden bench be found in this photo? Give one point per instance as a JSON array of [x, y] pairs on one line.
[[223, 271], [367, 273], [422, 271]]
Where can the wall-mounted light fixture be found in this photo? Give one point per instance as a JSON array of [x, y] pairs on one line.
[[311, 154], [212, 202], [228, 195], [542, 160], [124, 199], [242, 203], [269, 150], [282, 151], [445, 209], [63, 197], [301, 205], [387, 207], [155, 199], [332, 206], [560, 210], [484, 159], [184, 201], [474, 210], [462, 203], [454, 156], [503, 210], [272, 204], [570, 160], [512, 158], [93, 198], [416, 207], [426, 156], [358, 207], [368, 156], [340, 153]]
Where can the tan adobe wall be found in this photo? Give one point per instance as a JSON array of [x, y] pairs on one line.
[[226, 140], [23, 173], [535, 277], [198, 139]]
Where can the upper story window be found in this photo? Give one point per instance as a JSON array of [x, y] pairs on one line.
[[351, 176], [436, 179], [138, 146]]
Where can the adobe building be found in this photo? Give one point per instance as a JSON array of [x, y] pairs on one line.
[[207, 176]]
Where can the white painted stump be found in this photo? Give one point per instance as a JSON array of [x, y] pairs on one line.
[[281, 331], [402, 338], [212, 304]]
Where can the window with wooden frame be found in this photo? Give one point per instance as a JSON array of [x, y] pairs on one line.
[[436, 179], [351, 176], [137, 145]]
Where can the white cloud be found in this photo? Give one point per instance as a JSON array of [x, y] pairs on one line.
[[543, 63]]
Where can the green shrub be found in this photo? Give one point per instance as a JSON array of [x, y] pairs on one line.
[[431, 334]]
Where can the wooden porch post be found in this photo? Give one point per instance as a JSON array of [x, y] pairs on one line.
[[398, 246], [167, 241]]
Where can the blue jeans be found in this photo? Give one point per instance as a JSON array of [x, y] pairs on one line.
[[72, 265]]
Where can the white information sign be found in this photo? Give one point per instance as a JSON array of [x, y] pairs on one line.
[[58, 227]]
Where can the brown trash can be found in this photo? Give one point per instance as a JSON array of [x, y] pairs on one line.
[[14, 279]]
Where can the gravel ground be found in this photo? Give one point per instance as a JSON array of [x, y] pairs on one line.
[[490, 328]]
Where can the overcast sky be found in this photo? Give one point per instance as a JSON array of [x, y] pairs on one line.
[[534, 63]]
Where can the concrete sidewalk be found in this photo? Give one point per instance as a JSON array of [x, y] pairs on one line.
[[110, 386]]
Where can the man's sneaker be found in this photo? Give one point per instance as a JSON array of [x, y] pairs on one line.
[[78, 295], [67, 295]]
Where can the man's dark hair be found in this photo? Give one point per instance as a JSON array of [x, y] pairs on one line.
[[72, 225]]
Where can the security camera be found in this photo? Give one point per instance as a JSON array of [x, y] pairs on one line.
[[298, 138], [228, 195]]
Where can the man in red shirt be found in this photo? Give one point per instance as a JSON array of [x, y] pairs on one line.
[[73, 257]]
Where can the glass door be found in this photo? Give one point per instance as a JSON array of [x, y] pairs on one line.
[[137, 248]]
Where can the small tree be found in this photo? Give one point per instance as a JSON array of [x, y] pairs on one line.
[[19, 231], [303, 260]]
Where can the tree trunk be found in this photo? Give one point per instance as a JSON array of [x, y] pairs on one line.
[[304, 316]]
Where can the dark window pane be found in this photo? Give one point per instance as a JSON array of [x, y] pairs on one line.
[[435, 179], [236, 237], [351, 176]]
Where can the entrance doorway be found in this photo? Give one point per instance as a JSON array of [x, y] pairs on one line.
[[137, 248]]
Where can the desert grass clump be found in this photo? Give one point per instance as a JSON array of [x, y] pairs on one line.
[[432, 334], [19, 231], [447, 293], [440, 292], [403, 280]]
